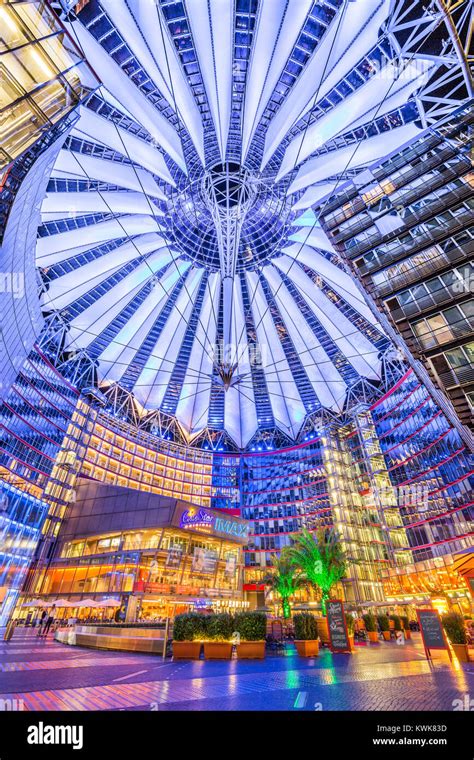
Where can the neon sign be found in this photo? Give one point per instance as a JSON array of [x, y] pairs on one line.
[[198, 519], [231, 527]]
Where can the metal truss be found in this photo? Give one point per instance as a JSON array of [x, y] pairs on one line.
[[438, 30], [76, 366], [122, 408], [442, 34], [228, 192]]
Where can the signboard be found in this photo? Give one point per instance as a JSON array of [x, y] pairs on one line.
[[156, 588], [197, 519], [338, 636], [432, 631], [210, 522]]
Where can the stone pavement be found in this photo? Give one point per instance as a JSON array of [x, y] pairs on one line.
[[43, 674]]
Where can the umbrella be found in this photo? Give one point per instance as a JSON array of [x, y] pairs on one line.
[[62, 603], [109, 603], [86, 603], [33, 603]]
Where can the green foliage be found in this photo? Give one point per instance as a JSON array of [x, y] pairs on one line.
[[252, 626], [405, 621], [454, 626], [350, 623], [284, 579], [384, 622], [319, 558], [306, 628], [219, 627], [369, 622], [397, 621], [190, 626]]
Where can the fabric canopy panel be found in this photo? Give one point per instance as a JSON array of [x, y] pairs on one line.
[[171, 247]]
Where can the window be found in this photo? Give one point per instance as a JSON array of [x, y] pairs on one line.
[[468, 309], [438, 326], [456, 358], [434, 285], [432, 331]]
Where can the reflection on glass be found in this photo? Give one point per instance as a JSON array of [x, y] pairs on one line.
[[39, 70]]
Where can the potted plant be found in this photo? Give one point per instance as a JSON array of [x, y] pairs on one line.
[[406, 626], [397, 622], [217, 642], [284, 579], [306, 635], [384, 625], [320, 559], [251, 628], [350, 625], [455, 629], [188, 633], [371, 627]]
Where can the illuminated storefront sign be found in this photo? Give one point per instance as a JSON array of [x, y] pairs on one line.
[[203, 521], [197, 519], [221, 604], [231, 527]]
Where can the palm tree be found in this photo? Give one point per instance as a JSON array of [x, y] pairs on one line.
[[319, 558], [285, 579]]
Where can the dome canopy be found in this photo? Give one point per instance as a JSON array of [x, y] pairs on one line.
[[179, 252]]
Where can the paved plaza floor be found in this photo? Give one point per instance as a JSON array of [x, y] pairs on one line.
[[45, 675]]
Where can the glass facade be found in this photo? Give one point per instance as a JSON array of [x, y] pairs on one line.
[[43, 431], [395, 481], [116, 456], [405, 228], [197, 339], [22, 518], [430, 468], [160, 551], [41, 75], [167, 566]]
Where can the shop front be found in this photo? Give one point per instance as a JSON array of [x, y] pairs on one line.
[[173, 558], [438, 583]]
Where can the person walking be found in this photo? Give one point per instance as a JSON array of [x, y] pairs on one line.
[[42, 622], [49, 622]]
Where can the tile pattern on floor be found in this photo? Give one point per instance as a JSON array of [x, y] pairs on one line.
[[46, 675]]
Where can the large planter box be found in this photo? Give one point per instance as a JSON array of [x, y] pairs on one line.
[[251, 650], [461, 651], [307, 648], [186, 650], [407, 633], [217, 650], [386, 635], [373, 637]]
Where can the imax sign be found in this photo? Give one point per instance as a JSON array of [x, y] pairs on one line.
[[202, 521]]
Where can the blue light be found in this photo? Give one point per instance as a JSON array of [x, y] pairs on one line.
[[157, 280]]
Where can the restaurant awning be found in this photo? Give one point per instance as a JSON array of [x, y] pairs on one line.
[[464, 563]]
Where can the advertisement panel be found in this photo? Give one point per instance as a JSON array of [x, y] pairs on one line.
[[204, 560], [174, 556]]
